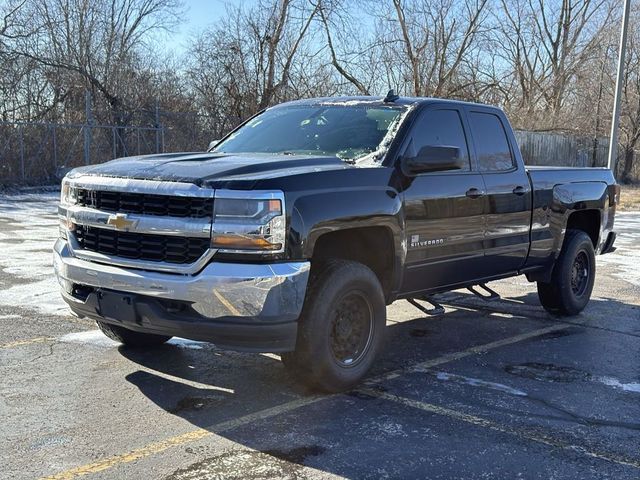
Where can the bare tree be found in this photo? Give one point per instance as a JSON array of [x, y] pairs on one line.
[[94, 44], [549, 63], [546, 44], [327, 11], [438, 38], [254, 58], [630, 118]]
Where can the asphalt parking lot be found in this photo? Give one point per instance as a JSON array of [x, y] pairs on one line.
[[487, 390]]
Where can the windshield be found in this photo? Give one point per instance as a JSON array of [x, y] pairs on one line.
[[345, 131]]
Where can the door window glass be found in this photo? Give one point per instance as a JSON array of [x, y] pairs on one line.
[[442, 128], [491, 142]]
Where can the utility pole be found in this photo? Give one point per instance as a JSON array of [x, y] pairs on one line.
[[596, 129], [613, 143]]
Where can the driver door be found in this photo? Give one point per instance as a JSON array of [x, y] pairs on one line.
[[444, 211]]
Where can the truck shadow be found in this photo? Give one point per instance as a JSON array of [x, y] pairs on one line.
[[227, 393], [603, 312]]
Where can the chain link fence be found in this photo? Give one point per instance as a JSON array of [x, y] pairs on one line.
[[39, 153]]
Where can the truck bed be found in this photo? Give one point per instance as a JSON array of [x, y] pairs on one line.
[[543, 176]]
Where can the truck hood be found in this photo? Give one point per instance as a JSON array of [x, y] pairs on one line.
[[200, 168]]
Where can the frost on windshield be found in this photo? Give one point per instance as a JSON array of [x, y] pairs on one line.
[[349, 130], [374, 159]]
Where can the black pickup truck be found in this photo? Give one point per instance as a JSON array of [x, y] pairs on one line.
[[294, 232]]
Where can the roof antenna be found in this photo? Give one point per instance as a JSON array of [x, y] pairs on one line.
[[391, 96]]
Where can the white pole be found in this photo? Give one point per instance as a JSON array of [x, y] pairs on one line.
[[613, 143]]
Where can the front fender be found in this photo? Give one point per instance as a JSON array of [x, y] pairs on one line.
[[318, 213]]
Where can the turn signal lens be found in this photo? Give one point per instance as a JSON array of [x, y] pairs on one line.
[[244, 242]]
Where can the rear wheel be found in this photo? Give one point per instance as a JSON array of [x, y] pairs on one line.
[[341, 328], [129, 337], [573, 276]]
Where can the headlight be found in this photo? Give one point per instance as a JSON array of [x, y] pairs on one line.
[[248, 221], [68, 194], [67, 197]]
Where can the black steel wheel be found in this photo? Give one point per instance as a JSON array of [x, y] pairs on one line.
[[351, 329], [572, 278], [341, 329], [580, 273]]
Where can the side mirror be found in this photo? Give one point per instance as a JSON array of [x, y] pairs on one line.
[[212, 144], [433, 158]]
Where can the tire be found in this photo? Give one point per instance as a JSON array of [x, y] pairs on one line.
[[129, 337], [341, 328], [572, 278]]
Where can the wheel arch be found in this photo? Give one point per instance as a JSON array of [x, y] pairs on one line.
[[579, 206], [588, 221], [372, 246], [362, 224]]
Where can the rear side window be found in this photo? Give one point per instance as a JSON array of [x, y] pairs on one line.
[[441, 128], [492, 147]]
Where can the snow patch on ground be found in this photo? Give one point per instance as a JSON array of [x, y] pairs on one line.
[[615, 383], [476, 382], [28, 230], [42, 295], [98, 339], [91, 337], [627, 227], [184, 343]]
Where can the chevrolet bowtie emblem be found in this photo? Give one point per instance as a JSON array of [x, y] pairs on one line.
[[121, 222]]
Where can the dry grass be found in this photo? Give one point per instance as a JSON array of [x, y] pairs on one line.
[[629, 198]]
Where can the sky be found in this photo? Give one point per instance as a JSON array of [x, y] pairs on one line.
[[197, 16]]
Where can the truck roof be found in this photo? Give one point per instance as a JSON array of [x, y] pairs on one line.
[[377, 100]]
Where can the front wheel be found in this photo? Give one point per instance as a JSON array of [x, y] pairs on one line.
[[129, 337], [573, 276], [341, 329]]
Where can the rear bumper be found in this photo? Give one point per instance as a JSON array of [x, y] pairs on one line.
[[251, 307]]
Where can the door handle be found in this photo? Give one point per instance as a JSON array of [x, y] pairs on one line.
[[474, 193], [519, 190]]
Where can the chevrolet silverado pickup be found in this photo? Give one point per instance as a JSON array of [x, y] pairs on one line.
[[293, 233]]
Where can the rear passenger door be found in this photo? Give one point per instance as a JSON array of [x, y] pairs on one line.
[[508, 191], [444, 210]]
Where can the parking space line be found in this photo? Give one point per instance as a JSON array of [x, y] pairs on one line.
[[490, 424], [29, 341], [158, 447], [451, 357], [508, 308]]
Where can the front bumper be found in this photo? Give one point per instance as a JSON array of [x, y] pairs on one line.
[[251, 307]]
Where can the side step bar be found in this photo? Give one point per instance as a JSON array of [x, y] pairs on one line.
[[436, 310], [492, 294]]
